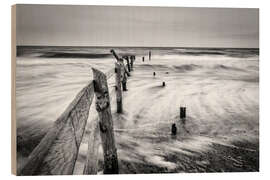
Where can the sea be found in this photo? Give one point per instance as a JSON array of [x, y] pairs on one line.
[[218, 86]]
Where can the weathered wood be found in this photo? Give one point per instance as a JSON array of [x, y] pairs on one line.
[[163, 84], [174, 129], [182, 112], [131, 62], [110, 73], [124, 69], [114, 54], [57, 152], [124, 74], [183, 115], [105, 122], [118, 88], [128, 63], [91, 165]]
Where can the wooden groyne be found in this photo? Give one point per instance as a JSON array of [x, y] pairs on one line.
[[57, 152]]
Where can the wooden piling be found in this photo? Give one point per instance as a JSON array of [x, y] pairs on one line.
[[174, 129], [118, 88], [114, 54], [105, 122], [182, 112], [128, 63], [163, 84], [124, 84], [124, 69], [131, 62]]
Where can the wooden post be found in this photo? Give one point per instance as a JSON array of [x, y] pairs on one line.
[[118, 88], [183, 115], [143, 59], [114, 54], [128, 64], [163, 84], [174, 129], [105, 122], [124, 69], [154, 73], [131, 62], [149, 55], [182, 112]]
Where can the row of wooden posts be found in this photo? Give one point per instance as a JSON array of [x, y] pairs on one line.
[[122, 72], [105, 117], [149, 56], [104, 112], [58, 150]]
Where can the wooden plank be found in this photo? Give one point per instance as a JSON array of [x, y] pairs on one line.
[[91, 165], [118, 93], [105, 122], [110, 73], [57, 152]]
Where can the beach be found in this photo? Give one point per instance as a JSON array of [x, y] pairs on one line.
[[218, 86]]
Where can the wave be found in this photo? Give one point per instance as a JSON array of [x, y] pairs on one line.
[[223, 67], [234, 53], [187, 67]]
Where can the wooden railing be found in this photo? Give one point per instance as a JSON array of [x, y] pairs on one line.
[[57, 152]]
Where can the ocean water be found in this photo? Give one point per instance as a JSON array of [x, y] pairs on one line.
[[218, 86]]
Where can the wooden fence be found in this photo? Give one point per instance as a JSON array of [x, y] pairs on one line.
[[57, 152]]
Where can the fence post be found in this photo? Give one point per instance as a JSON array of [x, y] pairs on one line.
[[118, 88], [174, 129], [131, 63], [128, 64], [183, 114], [163, 84], [105, 122], [114, 54]]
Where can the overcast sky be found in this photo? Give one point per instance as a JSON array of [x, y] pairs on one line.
[[136, 26]]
